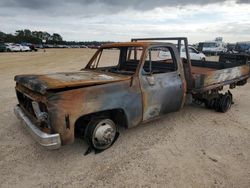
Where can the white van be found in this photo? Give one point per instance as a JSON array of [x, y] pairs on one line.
[[213, 47]]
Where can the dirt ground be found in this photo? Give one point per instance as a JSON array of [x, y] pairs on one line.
[[194, 147]]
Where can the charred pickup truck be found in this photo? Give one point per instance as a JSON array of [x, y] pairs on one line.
[[124, 84]]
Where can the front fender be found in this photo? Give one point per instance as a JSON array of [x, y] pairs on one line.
[[67, 106]]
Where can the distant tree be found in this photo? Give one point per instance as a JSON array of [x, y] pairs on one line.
[[35, 34], [2, 36], [19, 33], [36, 37], [56, 37], [41, 35], [46, 36], [27, 33]]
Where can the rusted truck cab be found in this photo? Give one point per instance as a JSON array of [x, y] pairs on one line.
[[124, 84]]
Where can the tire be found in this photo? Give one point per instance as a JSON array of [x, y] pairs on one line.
[[210, 103], [100, 133], [225, 103], [203, 59]]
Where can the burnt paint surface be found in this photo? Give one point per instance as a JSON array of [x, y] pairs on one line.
[[206, 79], [83, 101], [164, 96], [97, 92], [167, 91], [42, 83]]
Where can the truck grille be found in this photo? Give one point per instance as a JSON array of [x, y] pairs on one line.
[[26, 103]]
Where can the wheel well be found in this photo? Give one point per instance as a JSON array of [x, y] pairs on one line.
[[117, 115]]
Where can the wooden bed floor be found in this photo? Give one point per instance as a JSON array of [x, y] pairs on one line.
[[202, 70]]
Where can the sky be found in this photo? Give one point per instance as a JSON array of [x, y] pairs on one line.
[[121, 20]]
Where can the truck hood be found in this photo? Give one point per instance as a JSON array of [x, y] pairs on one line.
[[43, 83]]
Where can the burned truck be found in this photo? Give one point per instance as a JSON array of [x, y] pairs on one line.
[[123, 84]]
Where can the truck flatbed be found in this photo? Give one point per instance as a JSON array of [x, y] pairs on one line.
[[211, 75]]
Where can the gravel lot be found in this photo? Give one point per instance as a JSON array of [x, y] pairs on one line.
[[195, 147]]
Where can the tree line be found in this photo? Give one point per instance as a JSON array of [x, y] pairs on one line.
[[37, 37]]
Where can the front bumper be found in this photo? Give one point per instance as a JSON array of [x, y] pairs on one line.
[[50, 141]]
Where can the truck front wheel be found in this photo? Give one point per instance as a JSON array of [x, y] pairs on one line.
[[100, 133]]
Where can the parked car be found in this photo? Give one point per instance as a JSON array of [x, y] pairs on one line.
[[231, 47], [194, 54], [23, 48], [91, 46], [2, 47], [31, 46], [242, 47], [38, 46], [126, 89], [11, 47], [83, 46]]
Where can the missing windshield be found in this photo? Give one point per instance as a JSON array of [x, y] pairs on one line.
[[123, 60]]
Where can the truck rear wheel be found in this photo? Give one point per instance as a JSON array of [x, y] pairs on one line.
[[210, 103], [100, 133], [225, 102], [222, 103]]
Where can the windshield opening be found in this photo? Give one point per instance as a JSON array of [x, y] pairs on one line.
[[122, 60]]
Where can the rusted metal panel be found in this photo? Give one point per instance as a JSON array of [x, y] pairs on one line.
[[78, 102], [164, 96], [42, 83], [207, 79], [125, 44], [202, 70], [31, 94], [168, 91]]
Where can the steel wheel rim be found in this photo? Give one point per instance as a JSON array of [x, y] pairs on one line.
[[104, 134]]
